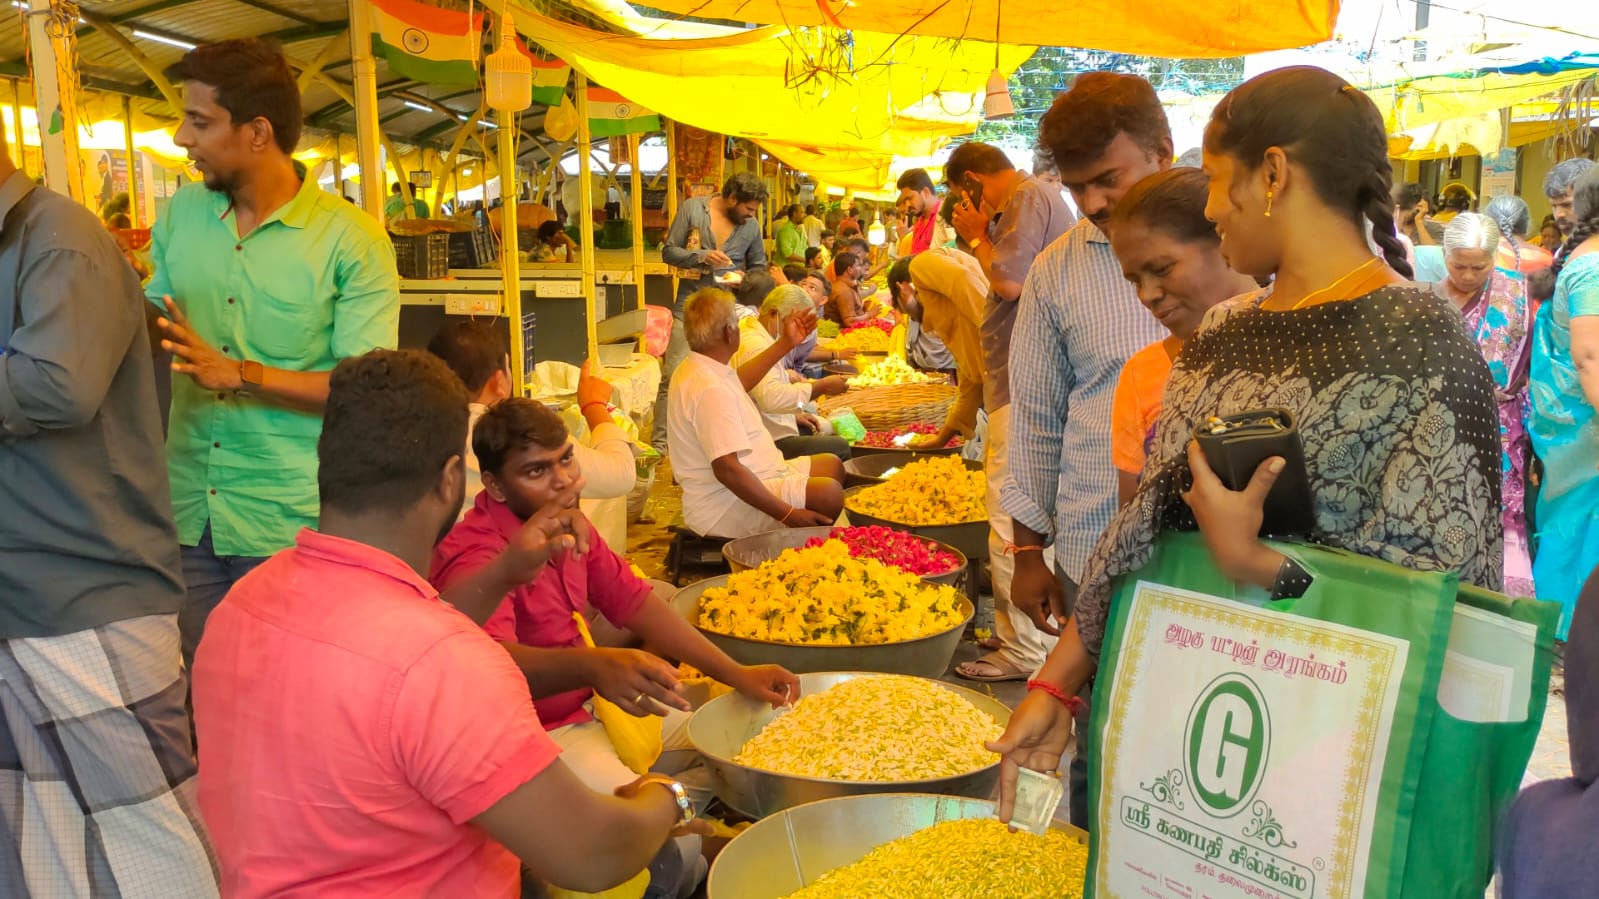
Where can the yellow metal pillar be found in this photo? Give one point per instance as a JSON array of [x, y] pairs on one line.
[[585, 145], [510, 261], [133, 163], [55, 98], [367, 130]]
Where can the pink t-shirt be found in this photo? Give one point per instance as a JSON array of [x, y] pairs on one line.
[[540, 613], [351, 725]]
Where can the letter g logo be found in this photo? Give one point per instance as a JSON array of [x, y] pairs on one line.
[[1226, 744]]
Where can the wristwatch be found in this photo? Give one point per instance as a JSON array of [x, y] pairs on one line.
[[685, 805], [251, 376]]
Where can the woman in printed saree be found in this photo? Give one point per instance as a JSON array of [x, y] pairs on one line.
[[1564, 392], [1394, 404], [1494, 307]]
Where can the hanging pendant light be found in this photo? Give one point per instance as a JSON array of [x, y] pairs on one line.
[[876, 235], [997, 102], [507, 74]]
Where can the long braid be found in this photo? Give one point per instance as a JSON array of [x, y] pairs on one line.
[[1379, 209], [1585, 229]]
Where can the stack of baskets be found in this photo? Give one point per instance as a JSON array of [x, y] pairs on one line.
[[887, 408]]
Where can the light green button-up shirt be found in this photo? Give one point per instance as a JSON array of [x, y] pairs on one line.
[[312, 284]]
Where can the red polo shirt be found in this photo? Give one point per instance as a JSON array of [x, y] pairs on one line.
[[351, 725], [540, 613]]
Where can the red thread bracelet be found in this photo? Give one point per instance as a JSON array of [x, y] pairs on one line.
[[585, 407], [1072, 703]]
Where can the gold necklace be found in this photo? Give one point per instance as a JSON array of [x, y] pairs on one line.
[[1373, 261]]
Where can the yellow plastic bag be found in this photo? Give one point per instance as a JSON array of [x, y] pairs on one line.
[[633, 889], [896, 341], [637, 740]]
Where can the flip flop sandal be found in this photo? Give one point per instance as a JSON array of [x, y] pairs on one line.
[[1007, 671]]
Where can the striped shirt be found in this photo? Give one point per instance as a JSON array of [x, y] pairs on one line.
[[1079, 321]]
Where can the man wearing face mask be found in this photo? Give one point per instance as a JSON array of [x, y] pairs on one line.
[[1004, 219], [1079, 322], [266, 282]]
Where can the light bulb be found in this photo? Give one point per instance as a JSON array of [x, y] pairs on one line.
[[876, 235], [997, 104], [507, 74]]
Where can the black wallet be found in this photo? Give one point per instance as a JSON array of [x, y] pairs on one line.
[[1236, 445]]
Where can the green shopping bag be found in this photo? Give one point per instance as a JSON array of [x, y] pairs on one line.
[[1246, 748], [1491, 698]]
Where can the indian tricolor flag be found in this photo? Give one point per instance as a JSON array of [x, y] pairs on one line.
[[611, 115], [425, 43], [549, 77]]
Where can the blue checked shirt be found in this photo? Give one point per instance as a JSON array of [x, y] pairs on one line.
[[1079, 322]]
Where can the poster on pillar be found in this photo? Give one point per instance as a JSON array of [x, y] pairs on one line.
[[1498, 175], [105, 176]]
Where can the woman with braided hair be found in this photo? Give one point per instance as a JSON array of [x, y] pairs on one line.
[[1564, 392], [1394, 403], [1516, 255]]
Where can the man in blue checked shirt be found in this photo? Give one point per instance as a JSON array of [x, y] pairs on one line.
[[1079, 320], [1004, 218]]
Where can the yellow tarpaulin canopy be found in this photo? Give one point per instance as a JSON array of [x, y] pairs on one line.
[[818, 88], [1408, 146], [1198, 28], [1438, 98]]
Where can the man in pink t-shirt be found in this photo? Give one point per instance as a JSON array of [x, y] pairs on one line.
[[358, 736]]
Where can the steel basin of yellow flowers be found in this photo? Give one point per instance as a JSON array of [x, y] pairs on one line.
[[926, 492], [821, 609], [850, 733], [898, 846]]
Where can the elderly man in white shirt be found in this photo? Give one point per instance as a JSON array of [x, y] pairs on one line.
[[781, 394], [735, 480]]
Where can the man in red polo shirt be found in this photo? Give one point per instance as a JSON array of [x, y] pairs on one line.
[[359, 737]]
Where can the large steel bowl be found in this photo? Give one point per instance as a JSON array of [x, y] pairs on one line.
[[749, 552], [923, 657], [867, 469], [791, 849], [969, 537], [840, 368], [722, 726]]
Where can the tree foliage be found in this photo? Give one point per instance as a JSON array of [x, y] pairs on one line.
[[1051, 70]]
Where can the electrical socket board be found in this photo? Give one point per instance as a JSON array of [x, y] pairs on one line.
[[566, 287], [472, 303]]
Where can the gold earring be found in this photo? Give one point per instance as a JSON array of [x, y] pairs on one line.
[[1269, 195]]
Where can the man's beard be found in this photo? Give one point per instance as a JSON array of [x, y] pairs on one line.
[[221, 183]]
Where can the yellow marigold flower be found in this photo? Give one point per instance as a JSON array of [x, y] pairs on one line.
[[928, 491], [824, 595]]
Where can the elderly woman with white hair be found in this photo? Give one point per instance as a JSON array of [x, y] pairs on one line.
[[1493, 305], [781, 395], [735, 481]]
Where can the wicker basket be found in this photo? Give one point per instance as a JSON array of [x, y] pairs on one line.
[[422, 255], [886, 408]]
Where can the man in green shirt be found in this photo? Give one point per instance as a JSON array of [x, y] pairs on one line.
[[791, 238], [267, 282], [395, 207]]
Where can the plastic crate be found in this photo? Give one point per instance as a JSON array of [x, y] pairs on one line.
[[472, 249], [422, 255]]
